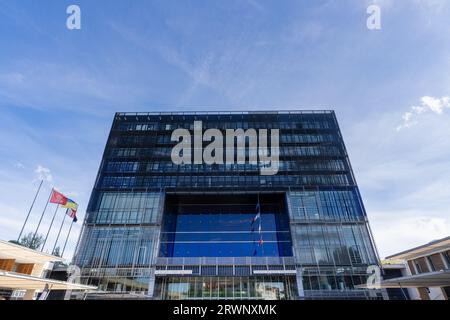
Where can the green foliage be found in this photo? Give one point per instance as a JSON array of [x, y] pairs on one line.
[[29, 241]]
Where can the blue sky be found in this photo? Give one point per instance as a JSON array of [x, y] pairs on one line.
[[59, 90]]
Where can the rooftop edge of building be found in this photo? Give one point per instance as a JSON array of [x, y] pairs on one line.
[[178, 113], [437, 243]]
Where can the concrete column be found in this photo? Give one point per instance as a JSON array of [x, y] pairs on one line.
[[299, 278], [436, 293], [414, 266], [427, 261], [446, 264], [151, 283], [37, 270], [29, 295]]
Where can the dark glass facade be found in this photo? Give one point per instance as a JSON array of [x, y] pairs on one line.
[[161, 230]]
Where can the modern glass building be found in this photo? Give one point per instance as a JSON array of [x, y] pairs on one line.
[[159, 230]]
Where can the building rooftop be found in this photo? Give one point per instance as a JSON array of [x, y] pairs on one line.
[[433, 246], [29, 281], [393, 264], [224, 112], [23, 254], [13, 280]]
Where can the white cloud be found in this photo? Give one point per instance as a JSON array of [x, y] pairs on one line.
[[43, 173], [19, 165], [12, 78], [72, 194], [396, 231], [403, 179], [435, 105]]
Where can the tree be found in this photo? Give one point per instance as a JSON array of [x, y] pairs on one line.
[[56, 252], [29, 241]]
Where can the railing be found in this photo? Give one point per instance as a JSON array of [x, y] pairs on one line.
[[225, 261], [225, 266], [344, 294]]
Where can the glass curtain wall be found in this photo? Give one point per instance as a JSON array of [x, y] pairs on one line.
[[324, 225]]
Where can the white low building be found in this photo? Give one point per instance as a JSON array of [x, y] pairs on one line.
[[22, 271]]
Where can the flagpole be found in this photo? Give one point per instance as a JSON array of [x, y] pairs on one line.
[[261, 241], [29, 211], [59, 232], [68, 234], [78, 240], [51, 224], [42, 215]]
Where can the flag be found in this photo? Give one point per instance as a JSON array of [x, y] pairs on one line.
[[73, 214], [58, 198], [258, 212], [70, 204], [258, 215]]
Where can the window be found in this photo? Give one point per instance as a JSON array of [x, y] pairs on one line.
[[447, 257], [418, 268], [431, 264], [127, 207]]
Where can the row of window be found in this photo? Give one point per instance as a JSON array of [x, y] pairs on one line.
[[292, 151], [143, 207], [128, 200], [320, 245], [168, 166], [431, 263], [126, 208], [261, 287], [119, 284], [325, 205], [222, 181], [103, 247], [333, 244], [152, 139], [161, 126], [147, 216], [267, 288], [332, 282]]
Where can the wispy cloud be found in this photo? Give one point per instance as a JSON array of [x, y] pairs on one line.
[[428, 104], [43, 173], [19, 165], [66, 84]]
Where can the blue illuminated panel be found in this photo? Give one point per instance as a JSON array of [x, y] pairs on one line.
[[225, 231]]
